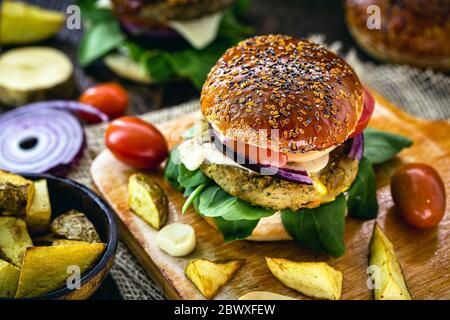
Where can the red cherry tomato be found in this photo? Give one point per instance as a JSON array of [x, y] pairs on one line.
[[110, 98], [369, 106], [136, 143], [419, 194]]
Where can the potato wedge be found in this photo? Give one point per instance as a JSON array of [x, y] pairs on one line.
[[74, 225], [16, 194], [210, 276], [148, 200], [38, 217], [387, 275], [314, 279], [14, 240], [9, 277], [64, 242], [264, 295], [45, 269]]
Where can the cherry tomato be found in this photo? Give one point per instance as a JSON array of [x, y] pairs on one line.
[[136, 143], [369, 106], [419, 194], [110, 98]]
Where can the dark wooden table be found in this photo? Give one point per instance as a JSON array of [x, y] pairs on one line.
[[294, 17]]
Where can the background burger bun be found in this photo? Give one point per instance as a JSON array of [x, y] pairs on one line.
[[415, 32], [312, 96]]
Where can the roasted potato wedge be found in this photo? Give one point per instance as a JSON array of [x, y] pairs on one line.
[[16, 194], [38, 217], [387, 275], [74, 225], [9, 276], [264, 295], [45, 269], [314, 279], [210, 276], [148, 200], [14, 240]]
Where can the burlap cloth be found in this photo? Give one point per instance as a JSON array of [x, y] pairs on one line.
[[424, 94]]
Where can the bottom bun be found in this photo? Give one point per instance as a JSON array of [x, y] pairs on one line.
[[268, 229], [386, 54]]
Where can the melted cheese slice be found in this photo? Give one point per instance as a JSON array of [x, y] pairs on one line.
[[199, 32]]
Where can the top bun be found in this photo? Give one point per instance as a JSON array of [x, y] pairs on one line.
[[415, 32], [289, 88]]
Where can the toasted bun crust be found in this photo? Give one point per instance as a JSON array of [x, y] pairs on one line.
[[415, 32], [305, 97]]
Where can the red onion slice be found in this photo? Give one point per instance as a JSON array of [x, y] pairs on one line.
[[357, 147], [280, 173], [42, 137]]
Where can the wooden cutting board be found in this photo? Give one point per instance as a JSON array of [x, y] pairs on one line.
[[423, 254]]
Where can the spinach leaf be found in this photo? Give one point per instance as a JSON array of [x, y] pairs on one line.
[[190, 179], [321, 228], [171, 169], [362, 195], [101, 38], [237, 229], [215, 202], [91, 13], [381, 146]]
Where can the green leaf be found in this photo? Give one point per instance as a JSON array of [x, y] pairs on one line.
[[381, 146], [157, 64], [172, 168], [99, 40], [362, 195], [91, 13], [215, 202], [192, 196], [237, 229], [320, 229], [191, 179]]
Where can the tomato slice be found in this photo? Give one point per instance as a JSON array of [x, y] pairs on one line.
[[369, 106], [258, 155]]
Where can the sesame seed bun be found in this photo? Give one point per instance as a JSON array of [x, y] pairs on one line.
[[415, 32], [309, 95]]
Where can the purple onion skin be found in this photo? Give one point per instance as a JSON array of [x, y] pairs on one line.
[[357, 147], [280, 173]]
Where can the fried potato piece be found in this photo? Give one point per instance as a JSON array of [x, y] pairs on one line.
[[45, 269], [64, 242], [264, 295], [16, 194], [314, 279], [14, 240], [38, 217], [389, 283], [210, 276], [148, 200], [9, 276], [74, 225]]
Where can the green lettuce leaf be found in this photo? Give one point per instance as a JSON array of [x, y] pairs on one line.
[[320, 229], [362, 195], [381, 146], [237, 229]]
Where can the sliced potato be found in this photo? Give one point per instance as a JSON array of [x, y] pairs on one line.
[[74, 225], [148, 200], [65, 242], [14, 240], [16, 194], [9, 277], [38, 217], [264, 295], [314, 279], [45, 269], [30, 74], [46, 240], [126, 68], [177, 239], [210, 276], [389, 283], [22, 23]]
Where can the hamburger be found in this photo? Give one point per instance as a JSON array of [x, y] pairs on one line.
[[280, 141], [154, 41]]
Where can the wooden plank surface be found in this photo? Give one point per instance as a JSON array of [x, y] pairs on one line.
[[424, 254]]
